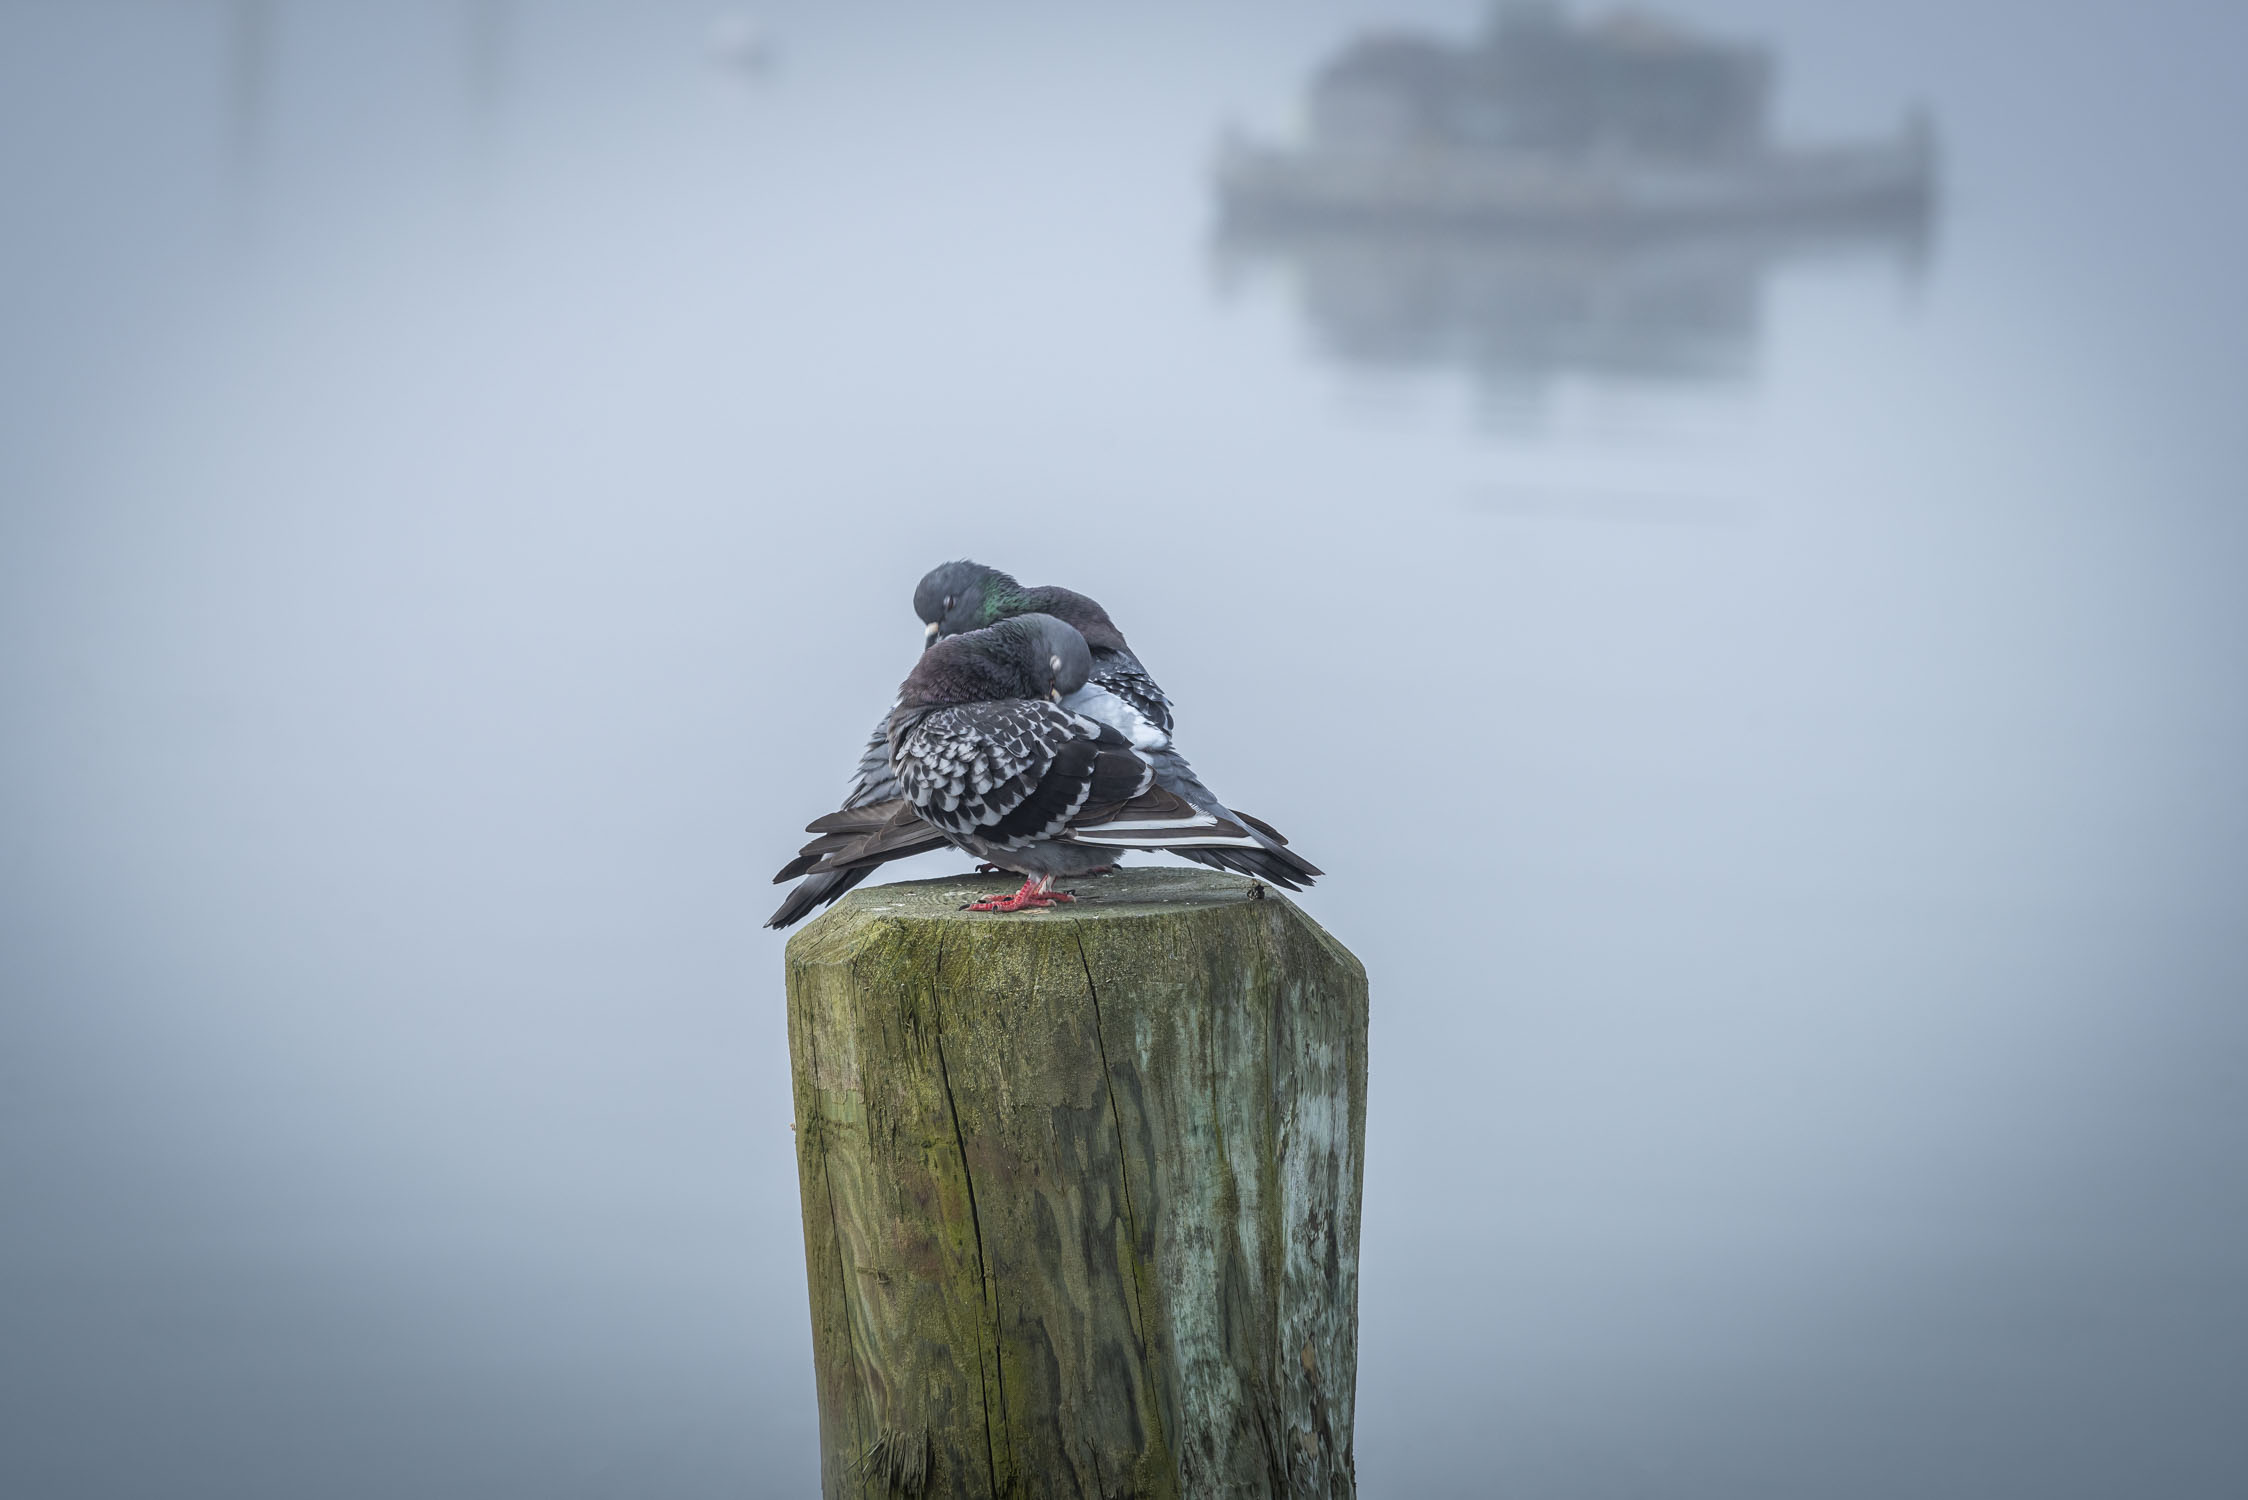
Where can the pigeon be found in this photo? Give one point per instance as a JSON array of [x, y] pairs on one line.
[[986, 752], [965, 596]]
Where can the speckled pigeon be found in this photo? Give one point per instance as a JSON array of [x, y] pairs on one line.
[[963, 596], [968, 595], [986, 753]]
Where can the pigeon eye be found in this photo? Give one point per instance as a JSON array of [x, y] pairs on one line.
[[948, 601]]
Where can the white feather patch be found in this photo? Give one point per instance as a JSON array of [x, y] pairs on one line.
[[1163, 841], [1151, 825]]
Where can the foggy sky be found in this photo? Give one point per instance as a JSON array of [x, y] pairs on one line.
[[463, 470]]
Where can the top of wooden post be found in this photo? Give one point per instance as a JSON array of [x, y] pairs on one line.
[[1142, 894], [1121, 891]]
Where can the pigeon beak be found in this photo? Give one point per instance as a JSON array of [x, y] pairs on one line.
[[1055, 694], [929, 637]]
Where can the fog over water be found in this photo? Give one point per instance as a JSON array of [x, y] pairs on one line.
[[1774, 716]]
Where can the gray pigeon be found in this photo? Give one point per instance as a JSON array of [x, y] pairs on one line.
[[987, 753], [968, 595], [1119, 692]]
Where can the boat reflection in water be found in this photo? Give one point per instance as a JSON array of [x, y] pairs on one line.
[[1556, 198], [1517, 312]]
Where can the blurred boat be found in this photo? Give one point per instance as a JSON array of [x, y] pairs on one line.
[[1622, 124]]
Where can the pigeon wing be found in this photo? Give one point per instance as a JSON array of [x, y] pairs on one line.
[[1121, 673], [1087, 774], [873, 781], [967, 768]]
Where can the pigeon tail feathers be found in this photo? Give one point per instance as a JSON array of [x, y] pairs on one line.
[[815, 892]]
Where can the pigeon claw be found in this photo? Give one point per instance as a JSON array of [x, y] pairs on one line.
[[1036, 893]]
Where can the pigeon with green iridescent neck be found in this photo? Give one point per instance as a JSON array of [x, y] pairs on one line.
[[967, 595]]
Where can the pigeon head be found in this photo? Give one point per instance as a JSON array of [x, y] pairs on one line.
[[962, 596], [1056, 660], [1029, 656]]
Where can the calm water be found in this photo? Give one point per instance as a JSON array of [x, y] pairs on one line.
[[1775, 718]]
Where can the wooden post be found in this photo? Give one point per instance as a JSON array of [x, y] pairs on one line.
[[1081, 1191]]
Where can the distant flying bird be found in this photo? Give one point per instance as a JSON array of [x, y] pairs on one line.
[[987, 755], [1118, 692]]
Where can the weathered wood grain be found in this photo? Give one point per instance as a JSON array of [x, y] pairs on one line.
[[1081, 1191]]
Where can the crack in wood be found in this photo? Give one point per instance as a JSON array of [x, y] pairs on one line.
[[834, 1223], [1123, 1174], [986, 1282]]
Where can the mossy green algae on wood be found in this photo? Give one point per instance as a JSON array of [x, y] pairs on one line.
[[1081, 1190]]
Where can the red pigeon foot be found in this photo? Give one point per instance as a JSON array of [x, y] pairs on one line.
[[1035, 893]]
